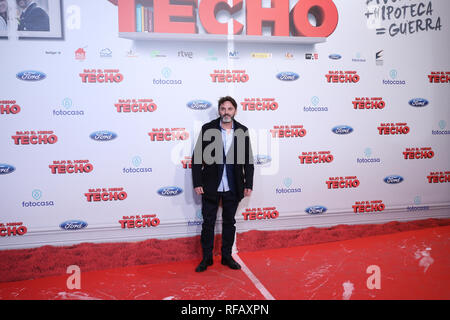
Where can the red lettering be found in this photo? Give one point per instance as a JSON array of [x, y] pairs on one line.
[[208, 11], [175, 18], [325, 13], [275, 16]]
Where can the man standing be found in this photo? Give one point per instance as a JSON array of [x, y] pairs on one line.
[[222, 169], [32, 18]]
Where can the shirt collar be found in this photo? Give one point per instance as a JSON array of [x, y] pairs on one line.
[[29, 5]]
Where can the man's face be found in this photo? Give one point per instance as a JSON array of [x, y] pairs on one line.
[[3, 6], [227, 112], [23, 3]]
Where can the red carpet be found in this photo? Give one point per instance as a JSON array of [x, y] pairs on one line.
[[411, 265], [24, 264]]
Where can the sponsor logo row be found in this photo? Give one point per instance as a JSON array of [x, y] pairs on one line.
[[49, 137], [305, 158], [111, 76], [149, 221], [146, 105], [99, 195]]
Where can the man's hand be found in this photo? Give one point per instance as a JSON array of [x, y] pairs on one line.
[[247, 192], [199, 190]]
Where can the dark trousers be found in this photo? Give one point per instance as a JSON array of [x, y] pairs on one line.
[[209, 212]]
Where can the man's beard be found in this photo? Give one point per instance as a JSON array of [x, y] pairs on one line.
[[226, 118]]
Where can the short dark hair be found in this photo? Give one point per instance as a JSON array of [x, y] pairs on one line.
[[227, 98]]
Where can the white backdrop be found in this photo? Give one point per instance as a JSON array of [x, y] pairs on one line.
[[174, 82]]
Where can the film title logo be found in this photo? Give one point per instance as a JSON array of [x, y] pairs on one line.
[[12, 229], [418, 153], [187, 163], [181, 17], [439, 177], [9, 107], [106, 194], [135, 105], [342, 182], [71, 166], [342, 77], [34, 137], [316, 157], [292, 131], [259, 104], [393, 128], [368, 206], [168, 134], [139, 221], [260, 214], [439, 77], [101, 76], [229, 76], [368, 103]]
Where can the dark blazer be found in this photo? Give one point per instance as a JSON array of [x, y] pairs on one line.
[[207, 172], [34, 19]]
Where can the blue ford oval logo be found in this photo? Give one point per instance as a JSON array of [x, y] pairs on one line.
[[393, 179], [199, 104], [169, 191], [335, 56], [6, 169], [262, 159], [30, 75], [315, 210], [418, 102], [342, 129], [103, 135], [73, 225], [287, 76]]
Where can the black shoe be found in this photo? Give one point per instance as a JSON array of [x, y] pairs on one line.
[[229, 261], [204, 265]]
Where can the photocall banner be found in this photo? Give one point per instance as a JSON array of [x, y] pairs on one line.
[[101, 103]]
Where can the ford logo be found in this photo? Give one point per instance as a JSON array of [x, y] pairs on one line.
[[73, 225], [30, 75], [262, 159], [103, 136], [287, 76], [199, 104], [169, 191], [6, 168], [418, 102], [315, 210], [335, 56], [393, 179], [342, 129]]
